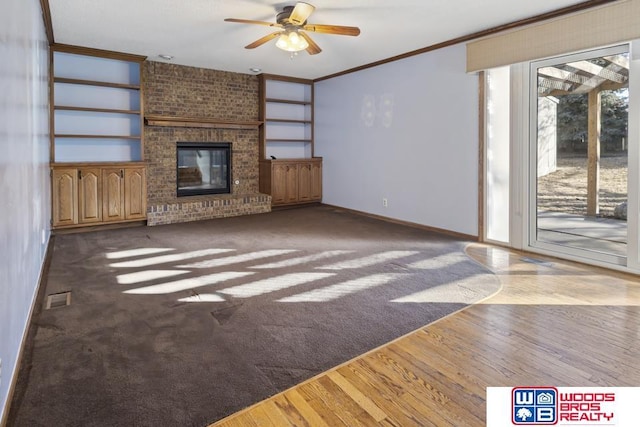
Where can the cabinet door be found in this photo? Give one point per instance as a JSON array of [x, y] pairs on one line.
[[135, 193], [291, 195], [278, 184], [89, 195], [304, 182], [112, 194], [65, 197], [316, 181]]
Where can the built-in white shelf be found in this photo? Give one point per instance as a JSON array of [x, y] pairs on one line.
[[288, 117], [97, 108]]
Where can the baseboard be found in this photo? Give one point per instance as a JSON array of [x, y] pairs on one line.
[[456, 234], [29, 330], [92, 227]]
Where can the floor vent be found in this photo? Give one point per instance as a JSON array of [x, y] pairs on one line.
[[537, 261], [61, 299]]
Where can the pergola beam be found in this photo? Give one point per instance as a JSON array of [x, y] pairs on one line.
[[562, 75], [597, 71]]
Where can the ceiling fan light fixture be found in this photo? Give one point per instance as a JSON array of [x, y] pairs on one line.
[[291, 41]]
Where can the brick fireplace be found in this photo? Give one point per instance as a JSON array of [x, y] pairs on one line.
[[206, 99]]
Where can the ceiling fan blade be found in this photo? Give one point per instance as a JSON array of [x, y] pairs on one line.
[[300, 13], [249, 21], [313, 48], [333, 29], [263, 40]]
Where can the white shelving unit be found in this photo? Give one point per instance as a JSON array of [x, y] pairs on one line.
[[289, 172], [97, 113], [97, 170], [288, 117]]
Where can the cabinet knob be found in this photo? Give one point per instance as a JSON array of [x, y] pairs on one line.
[[79, 174], [121, 173]]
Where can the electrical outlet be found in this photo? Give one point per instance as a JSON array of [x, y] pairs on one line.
[[385, 203]]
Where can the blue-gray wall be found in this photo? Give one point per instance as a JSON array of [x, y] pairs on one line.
[[24, 174], [406, 131]]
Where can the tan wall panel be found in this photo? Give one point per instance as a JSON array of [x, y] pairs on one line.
[[615, 23]]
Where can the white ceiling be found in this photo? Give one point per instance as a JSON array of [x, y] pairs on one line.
[[193, 31]]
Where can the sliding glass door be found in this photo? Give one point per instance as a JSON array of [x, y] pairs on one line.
[[583, 158]]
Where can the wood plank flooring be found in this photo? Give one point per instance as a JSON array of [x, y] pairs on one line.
[[553, 323]]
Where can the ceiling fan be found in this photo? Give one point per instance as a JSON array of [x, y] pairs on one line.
[[291, 37]]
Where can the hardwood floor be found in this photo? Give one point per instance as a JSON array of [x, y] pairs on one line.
[[553, 323]]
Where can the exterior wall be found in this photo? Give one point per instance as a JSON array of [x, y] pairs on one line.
[[179, 91], [547, 135], [25, 206]]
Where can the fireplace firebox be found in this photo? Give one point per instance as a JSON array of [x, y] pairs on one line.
[[203, 168]]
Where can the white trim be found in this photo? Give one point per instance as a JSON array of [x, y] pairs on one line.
[[633, 162], [519, 138]]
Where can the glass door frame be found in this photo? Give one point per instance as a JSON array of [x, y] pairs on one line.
[[631, 261]]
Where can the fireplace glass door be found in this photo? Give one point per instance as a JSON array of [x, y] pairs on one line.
[[203, 168]]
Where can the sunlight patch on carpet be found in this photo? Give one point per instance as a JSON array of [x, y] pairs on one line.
[[303, 260], [340, 290], [368, 261], [273, 284], [185, 284], [147, 275], [238, 258], [203, 298], [164, 259]]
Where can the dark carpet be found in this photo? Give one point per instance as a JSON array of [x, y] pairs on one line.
[[181, 325]]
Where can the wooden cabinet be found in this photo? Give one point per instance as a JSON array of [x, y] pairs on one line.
[[309, 181], [98, 194], [292, 181], [64, 193], [278, 179], [316, 180], [89, 195], [135, 194], [113, 194]]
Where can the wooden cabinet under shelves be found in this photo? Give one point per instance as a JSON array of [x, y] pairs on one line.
[[97, 194], [113, 194], [89, 195], [135, 193], [310, 181], [292, 181], [64, 193]]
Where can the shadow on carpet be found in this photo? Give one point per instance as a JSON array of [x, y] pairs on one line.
[[184, 324]]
